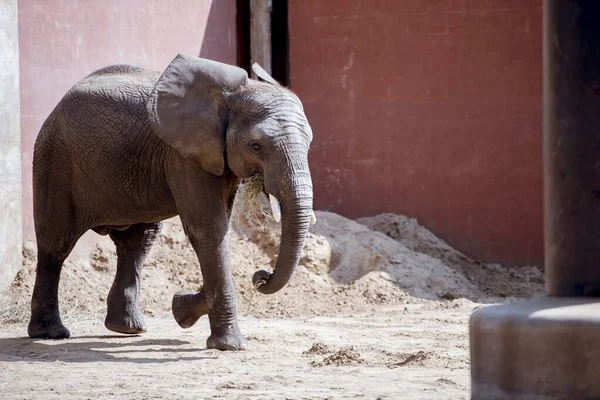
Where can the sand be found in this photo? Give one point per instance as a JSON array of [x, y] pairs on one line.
[[377, 308]]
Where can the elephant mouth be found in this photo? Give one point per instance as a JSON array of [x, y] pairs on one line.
[[254, 196], [255, 199]]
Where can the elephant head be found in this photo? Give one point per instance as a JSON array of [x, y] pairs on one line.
[[213, 115]]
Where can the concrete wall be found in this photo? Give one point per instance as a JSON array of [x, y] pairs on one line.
[[431, 109], [62, 41], [426, 108], [10, 154]]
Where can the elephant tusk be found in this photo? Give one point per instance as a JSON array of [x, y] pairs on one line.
[[275, 208], [313, 218]]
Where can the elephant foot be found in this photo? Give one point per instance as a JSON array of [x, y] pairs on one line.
[[188, 307], [47, 326], [126, 323], [227, 341]]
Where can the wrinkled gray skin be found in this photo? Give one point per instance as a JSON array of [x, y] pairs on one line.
[[126, 148]]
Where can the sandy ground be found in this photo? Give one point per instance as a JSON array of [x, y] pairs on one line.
[[419, 351], [378, 308]]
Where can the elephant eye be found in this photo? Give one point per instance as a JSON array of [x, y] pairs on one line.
[[255, 146]]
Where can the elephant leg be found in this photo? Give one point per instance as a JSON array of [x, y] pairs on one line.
[[54, 246], [188, 305], [123, 308], [219, 291], [206, 223], [202, 202]]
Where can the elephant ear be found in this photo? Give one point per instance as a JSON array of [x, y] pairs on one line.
[[264, 75], [188, 109]]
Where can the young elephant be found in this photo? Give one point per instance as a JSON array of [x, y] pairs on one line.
[[126, 148]]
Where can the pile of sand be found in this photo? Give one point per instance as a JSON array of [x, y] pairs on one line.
[[347, 267]]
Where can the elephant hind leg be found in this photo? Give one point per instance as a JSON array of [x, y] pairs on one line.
[[45, 319], [133, 244]]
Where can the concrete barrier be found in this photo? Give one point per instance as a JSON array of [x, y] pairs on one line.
[[10, 145]]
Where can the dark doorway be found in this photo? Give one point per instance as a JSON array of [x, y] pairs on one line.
[[243, 34], [280, 42], [279, 39]]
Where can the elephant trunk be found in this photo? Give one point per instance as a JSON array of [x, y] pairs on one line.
[[296, 201]]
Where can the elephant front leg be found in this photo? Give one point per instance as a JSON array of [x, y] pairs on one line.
[[188, 306], [123, 309], [218, 296]]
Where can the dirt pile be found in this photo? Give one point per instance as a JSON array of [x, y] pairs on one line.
[[347, 267], [344, 356]]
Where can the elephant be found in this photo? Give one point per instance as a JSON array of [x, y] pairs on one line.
[[127, 147]]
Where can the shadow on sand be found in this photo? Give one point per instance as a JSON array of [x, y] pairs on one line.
[[83, 349]]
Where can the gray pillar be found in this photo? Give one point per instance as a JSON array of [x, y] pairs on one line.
[[572, 147], [549, 348], [10, 145]]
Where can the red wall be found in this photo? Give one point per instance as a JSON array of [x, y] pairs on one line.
[[431, 109], [61, 41]]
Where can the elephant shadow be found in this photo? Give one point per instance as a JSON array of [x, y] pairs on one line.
[[84, 349]]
